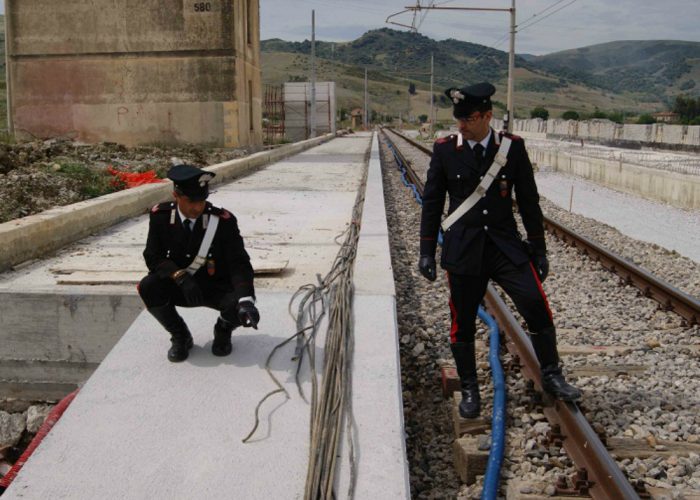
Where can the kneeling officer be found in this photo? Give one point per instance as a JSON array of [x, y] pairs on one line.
[[196, 257]]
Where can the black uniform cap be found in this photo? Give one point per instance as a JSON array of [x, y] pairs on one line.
[[191, 181], [470, 98]]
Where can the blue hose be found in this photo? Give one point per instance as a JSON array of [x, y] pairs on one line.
[[498, 419]]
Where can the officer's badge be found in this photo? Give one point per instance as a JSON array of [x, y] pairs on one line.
[[211, 267], [456, 95], [503, 185], [204, 179]]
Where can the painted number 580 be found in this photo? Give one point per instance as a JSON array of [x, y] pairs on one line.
[[202, 7]]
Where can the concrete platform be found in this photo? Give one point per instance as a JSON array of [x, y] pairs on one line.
[[142, 427]]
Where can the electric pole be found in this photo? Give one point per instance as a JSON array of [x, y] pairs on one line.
[[507, 123], [365, 118], [313, 73], [510, 117], [432, 98]]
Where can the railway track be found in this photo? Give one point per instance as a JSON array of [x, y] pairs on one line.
[[599, 474], [670, 297]]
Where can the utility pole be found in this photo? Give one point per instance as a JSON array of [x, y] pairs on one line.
[[365, 119], [510, 117], [432, 98], [507, 124], [313, 73]]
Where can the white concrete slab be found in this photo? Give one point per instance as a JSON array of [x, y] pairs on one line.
[[142, 427], [376, 397]]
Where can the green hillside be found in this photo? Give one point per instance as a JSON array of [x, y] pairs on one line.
[[632, 77], [661, 67]]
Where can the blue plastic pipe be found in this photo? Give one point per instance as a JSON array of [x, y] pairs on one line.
[[498, 419]]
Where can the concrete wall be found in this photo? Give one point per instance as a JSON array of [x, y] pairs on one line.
[[297, 109], [609, 132], [135, 71], [679, 190]]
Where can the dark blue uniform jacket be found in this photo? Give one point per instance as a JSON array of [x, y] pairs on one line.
[[454, 171], [228, 264]]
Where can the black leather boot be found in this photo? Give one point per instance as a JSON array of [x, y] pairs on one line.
[[465, 359], [553, 381], [222, 338], [180, 336]]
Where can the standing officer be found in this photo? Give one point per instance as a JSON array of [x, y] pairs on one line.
[[483, 242], [196, 257]]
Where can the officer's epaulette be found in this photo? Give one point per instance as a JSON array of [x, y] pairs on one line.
[[512, 137], [221, 212], [444, 140], [162, 207]]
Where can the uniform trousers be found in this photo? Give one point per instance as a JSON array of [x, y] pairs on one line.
[[521, 283], [157, 292]]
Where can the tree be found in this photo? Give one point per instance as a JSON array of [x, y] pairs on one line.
[[599, 114], [422, 118], [570, 115], [539, 112], [646, 119], [412, 88], [616, 116], [687, 107]]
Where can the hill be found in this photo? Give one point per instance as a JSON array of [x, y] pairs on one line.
[[660, 67], [607, 76]]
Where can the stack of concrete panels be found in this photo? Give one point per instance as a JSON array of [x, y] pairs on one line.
[[297, 109]]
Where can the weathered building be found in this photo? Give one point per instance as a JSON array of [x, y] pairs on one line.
[[135, 71]]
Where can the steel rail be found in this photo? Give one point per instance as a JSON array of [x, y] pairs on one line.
[[670, 297], [599, 474]]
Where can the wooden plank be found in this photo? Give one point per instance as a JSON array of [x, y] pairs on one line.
[[587, 350], [470, 461], [449, 380], [640, 448], [664, 494], [467, 426], [518, 489], [606, 370], [74, 276]]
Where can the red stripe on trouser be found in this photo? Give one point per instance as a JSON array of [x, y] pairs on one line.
[[544, 296], [453, 313]]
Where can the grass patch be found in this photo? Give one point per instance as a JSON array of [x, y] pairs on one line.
[[92, 182]]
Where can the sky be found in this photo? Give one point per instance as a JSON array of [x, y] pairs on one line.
[[577, 24], [545, 26]]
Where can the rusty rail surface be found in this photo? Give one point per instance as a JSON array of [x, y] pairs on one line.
[[599, 475], [670, 297]]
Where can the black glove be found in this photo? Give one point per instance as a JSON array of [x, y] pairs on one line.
[[190, 289], [248, 314], [541, 265], [426, 266]]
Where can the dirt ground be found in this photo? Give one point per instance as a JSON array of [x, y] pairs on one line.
[[39, 175]]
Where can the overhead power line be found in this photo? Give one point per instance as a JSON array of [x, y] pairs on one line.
[[520, 28]]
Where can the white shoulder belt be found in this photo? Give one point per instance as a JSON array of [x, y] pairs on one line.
[[201, 257], [498, 162]]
